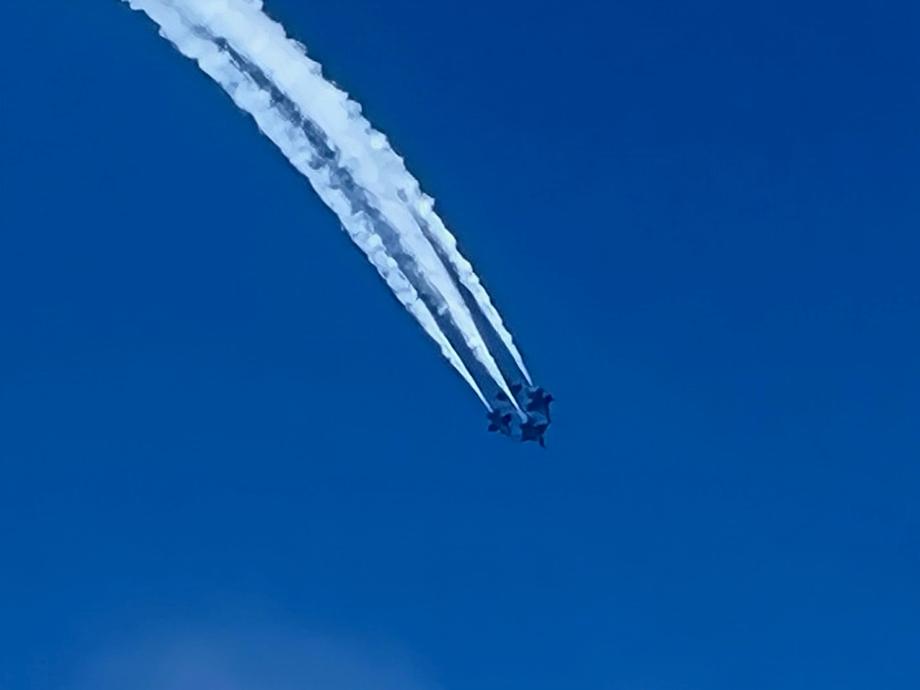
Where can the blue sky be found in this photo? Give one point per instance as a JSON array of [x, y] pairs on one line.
[[217, 425]]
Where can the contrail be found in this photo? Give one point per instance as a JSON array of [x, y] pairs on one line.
[[295, 142], [350, 164], [446, 245], [302, 78]]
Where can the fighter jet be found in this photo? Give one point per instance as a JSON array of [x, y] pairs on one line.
[[534, 419], [539, 402], [500, 421], [533, 430], [532, 391]]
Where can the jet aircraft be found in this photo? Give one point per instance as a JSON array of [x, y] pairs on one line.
[[535, 419], [539, 402], [538, 399], [532, 430], [500, 421]]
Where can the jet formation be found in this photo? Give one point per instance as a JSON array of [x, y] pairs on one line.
[[529, 421]]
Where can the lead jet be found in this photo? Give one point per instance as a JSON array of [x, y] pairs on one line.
[[538, 399], [500, 421], [532, 430]]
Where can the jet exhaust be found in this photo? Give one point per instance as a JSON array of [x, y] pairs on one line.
[[350, 165]]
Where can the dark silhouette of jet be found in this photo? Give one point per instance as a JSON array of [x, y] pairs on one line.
[[533, 430], [500, 421], [531, 427], [539, 402], [538, 399]]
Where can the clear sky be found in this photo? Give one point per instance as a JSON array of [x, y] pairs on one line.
[[229, 460]]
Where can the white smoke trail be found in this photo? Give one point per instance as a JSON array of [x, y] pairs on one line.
[[364, 151], [372, 165], [294, 143], [442, 238], [374, 161]]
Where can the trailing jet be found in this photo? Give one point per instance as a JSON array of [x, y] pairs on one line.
[[532, 430], [500, 421]]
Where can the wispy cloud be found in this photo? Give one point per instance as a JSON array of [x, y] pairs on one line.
[[226, 659]]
